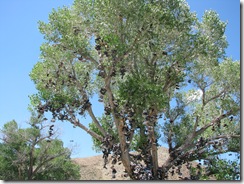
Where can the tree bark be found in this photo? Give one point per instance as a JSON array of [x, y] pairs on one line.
[[154, 153], [119, 125], [94, 119], [30, 171]]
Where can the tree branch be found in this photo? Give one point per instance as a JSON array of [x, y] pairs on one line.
[[214, 97], [200, 131], [201, 151], [214, 121], [225, 137], [195, 126], [94, 119], [88, 57], [90, 111], [77, 123], [47, 160]]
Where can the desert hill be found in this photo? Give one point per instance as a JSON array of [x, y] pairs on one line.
[[91, 168]]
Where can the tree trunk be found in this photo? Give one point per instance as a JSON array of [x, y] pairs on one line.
[[166, 166], [124, 150], [30, 171], [19, 172], [154, 153], [119, 125]]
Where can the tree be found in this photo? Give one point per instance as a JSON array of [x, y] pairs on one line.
[[223, 169], [30, 154], [158, 71]]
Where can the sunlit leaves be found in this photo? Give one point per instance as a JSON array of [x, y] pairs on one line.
[[145, 60], [107, 124], [139, 92], [26, 155], [223, 169], [212, 39]]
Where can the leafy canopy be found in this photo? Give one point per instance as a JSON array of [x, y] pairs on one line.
[[28, 154], [157, 70]]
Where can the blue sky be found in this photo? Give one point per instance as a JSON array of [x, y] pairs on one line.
[[19, 51]]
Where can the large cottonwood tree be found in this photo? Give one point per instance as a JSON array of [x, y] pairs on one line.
[[158, 71]]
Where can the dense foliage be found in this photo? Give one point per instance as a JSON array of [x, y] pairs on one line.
[[32, 154], [159, 72]]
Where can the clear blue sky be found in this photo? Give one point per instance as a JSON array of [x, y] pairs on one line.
[[19, 51]]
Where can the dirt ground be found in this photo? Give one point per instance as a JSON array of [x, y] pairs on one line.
[[92, 168]]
